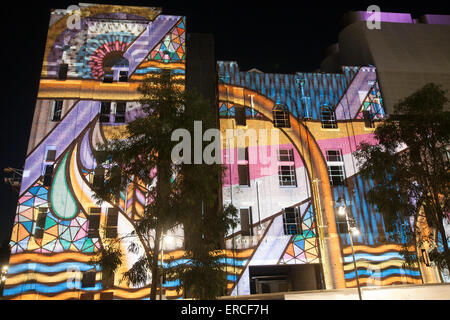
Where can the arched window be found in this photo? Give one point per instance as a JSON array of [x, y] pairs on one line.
[[327, 117], [280, 117]]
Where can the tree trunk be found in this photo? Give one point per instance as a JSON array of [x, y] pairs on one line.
[[154, 266]]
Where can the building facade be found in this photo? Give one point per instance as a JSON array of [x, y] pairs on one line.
[[289, 237]]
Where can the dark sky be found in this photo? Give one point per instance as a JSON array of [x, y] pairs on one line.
[[273, 36]]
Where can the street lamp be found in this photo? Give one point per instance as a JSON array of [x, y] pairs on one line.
[[353, 231]]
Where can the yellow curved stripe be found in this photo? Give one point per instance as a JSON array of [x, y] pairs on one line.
[[379, 249], [239, 254], [49, 258], [385, 282], [140, 77], [44, 278]]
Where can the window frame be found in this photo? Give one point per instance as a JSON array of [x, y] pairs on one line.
[[330, 121], [281, 116]]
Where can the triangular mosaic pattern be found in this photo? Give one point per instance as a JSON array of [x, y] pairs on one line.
[[303, 248], [373, 103], [172, 48]]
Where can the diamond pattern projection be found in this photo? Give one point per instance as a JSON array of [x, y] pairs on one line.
[[172, 48], [372, 103], [58, 236], [303, 248]]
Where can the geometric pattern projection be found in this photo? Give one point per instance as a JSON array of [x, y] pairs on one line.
[[372, 103], [303, 248], [227, 110], [172, 47], [59, 235]]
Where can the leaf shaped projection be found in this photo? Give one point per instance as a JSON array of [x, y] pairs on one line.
[[63, 202]]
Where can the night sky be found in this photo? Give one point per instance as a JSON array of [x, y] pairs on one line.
[[273, 36]]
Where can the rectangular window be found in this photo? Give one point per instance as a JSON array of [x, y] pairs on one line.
[[106, 296], [244, 175], [242, 154], [240, 116], [105, 110], [286, 176], [48, 176], [120, 112], [51, 155], [367, 119], [40, 223], [292, 221], [286, 155], [334, 156], [99, 177], [88, 280], [108, 77], [94, 222], [123, 76], [87, 296], [246, 222], [62, 71], [111, 222], [57, 110], [336, 173], [328, 118]]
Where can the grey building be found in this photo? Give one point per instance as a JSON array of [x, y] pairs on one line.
[[407, 52]]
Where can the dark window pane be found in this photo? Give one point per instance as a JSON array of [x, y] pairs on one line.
[[51, 155], [367, 119], [62, 71], [286, 175], [286, 155], [48, 176], [334, 155], [57, 110], [88, 280], [123, 76], [246, 222], [244, 176], [328, 118], [120, 112], [280, 117], [240, 116]]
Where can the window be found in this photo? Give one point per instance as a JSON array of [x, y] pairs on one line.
[[280, 117], [286, 176], [292, 221], [242, 154], [99, 177], [334, 156], [88, 280], [51, 155], [62, 71], [328, 118], [246, 222], [120, 112], [123, 76], [40, 223], [240, 116], [105, 110], [108, 77], [87, 296], [367, 119], [57, 110], [93, 222], [335, 164], [111, 222], [244, 175], [106, 296], [48, 176], [336, 173], [286, 155]]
